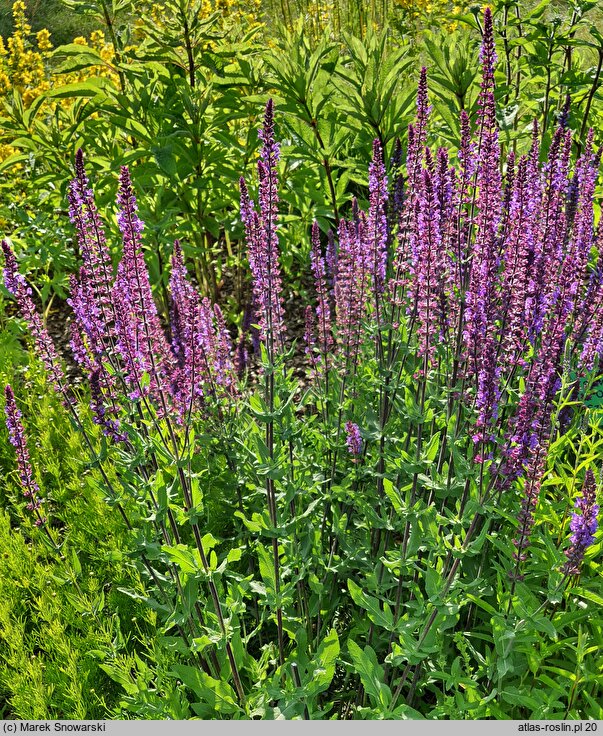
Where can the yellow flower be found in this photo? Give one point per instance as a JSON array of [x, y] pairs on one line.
[[5, 84], [157, 14], [97, 40], [22, 27], [43, 40]]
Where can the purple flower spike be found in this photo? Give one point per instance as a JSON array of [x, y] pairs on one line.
[[200, 342], [224, 368], [351, 287], [528, 507], [397, 193], [310, 341], [262, 240], [583, 525], [488, 51], [102, 413], [323, 309], [427, 270], [516, 275], [17, 286], [331, 258], [353, 438], [93, 249], [141, 340], [16, 435], [417, 133], [405, 249], [376, 231]]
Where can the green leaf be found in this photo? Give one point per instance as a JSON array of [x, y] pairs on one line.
[[77, 568], [72, 58], [266, 563], [323, 666], [383, 618], [77, 89], [370, 673], [183, 557], [216, 693], [588, 595], [393, 495], [165, 158]]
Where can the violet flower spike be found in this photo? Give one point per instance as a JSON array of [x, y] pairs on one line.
[[516, 274], [16, 436], [417, 133], [427, 269], [377, 232], [323, 309], [141, 340], [405, 249], [397, 188], [223, 364], [17, 286], [353, 439], [331, 258], [93, 248], [192, 339], [102, 414], [351, 288], [262, 240], [528, 507], [310, 341], [481, 297], [583, 525]]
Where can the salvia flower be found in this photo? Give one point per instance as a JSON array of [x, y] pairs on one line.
[[323, 309], [583, 525], [376, 230], [262, 240], [241, 357], [407, 229], [17, 286], [310, 340], [103, 412], [141, 341], [516, 257], [223, 363], [331, 257], [353, 438], [16, 435], [200, 341], [529, 502], [396, 198], [352, 286], [93, 250], [418, 132], [429, 269]]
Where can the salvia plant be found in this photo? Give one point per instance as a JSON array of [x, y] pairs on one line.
[[374, 539]]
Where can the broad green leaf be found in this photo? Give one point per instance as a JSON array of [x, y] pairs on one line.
[[322, 668], [216, 693], [383, 618], [370, 673]]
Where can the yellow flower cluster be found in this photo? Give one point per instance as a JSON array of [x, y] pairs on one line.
[[25, 68], [105, 51], [23, 64], [426, 7]]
